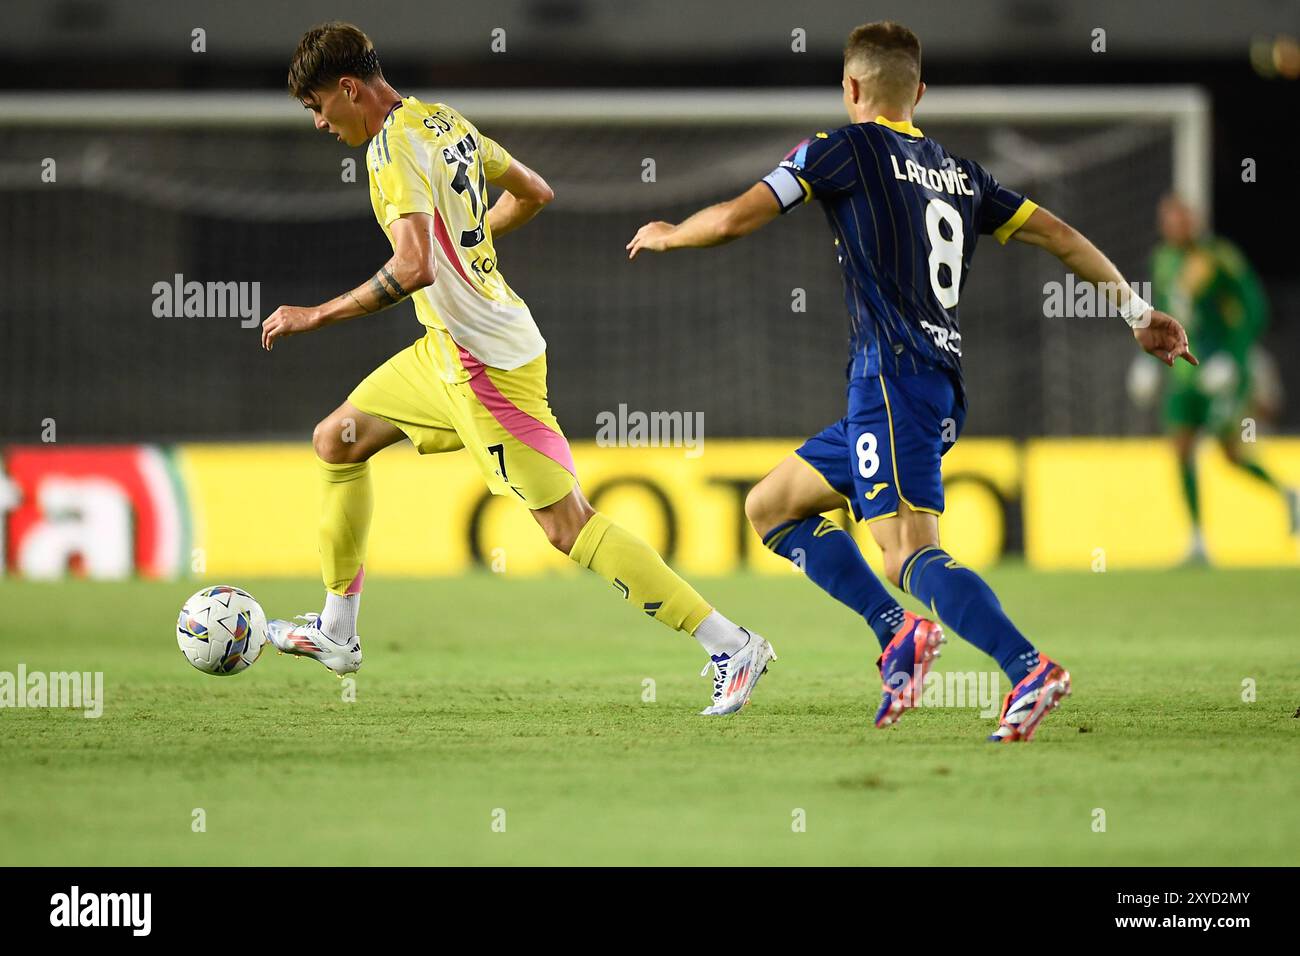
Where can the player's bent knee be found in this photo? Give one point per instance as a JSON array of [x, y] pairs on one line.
[[760, 509], [322, 443], [754, 511], [561, 538], [563, 523], [327, 441]]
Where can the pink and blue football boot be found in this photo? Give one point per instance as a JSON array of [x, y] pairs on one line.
[[904, 663], [1042, 690]]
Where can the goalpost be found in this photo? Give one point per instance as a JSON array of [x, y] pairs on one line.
[[110, 193], [1185, 108]]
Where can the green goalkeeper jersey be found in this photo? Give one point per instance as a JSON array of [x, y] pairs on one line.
[[1211, 288]]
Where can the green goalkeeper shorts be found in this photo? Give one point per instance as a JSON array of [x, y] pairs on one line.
[[1186, 406]]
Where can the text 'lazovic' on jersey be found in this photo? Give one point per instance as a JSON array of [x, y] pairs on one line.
[[905, 214]]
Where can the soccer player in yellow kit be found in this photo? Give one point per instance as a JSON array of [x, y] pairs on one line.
[[477, 378]]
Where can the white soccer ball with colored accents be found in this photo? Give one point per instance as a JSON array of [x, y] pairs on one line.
[[221, 630]]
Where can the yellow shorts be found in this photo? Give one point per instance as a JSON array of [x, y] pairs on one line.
[[502, 417]]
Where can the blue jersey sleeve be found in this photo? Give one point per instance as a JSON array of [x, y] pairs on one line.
[[1001, 210], [820, 166]]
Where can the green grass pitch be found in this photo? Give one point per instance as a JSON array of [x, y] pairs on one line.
[[484, 694]]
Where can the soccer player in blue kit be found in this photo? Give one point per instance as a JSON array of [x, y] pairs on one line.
[[905, 214]]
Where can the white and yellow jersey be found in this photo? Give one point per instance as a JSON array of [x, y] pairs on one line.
[[428, 158]]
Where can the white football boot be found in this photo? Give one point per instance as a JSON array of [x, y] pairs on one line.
[[734, 675], [308, 640]]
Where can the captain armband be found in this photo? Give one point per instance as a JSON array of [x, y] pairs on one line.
[[786, 187]]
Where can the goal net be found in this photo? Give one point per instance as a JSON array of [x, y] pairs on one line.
[[107, 196]]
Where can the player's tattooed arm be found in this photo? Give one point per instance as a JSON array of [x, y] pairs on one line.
[[711, 226], [384, 291], [411, 268], [1156, 332]]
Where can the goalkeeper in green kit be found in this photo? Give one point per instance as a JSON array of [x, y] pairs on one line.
[[1206, 281]]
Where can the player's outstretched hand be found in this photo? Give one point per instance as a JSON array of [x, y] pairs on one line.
[[649, 237], [288, 320], [1165, 338]]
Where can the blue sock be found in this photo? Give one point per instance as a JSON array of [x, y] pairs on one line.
[[961, 598], [832, 561]]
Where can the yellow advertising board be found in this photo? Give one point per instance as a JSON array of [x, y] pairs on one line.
[[1118, 503], [251, 509], [254, 508]]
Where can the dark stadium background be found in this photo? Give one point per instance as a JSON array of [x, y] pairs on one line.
[[501, 677], [668, 334]]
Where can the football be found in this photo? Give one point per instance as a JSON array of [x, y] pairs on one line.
[[221, 630]]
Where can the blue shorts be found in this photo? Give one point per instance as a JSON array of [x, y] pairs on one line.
[[888, 448]]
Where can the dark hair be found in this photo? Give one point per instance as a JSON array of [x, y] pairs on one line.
[[330, 51], [888, 54]]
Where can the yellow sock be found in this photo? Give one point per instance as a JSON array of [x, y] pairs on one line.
[[344, 523], [636, 569]]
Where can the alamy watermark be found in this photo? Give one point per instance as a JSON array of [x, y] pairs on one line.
[[959, 689], [82, 690], [1077, 299], [208, 300], [75, 908], [637, 429]]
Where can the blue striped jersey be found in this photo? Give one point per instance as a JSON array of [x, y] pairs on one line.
[[905, 214]]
